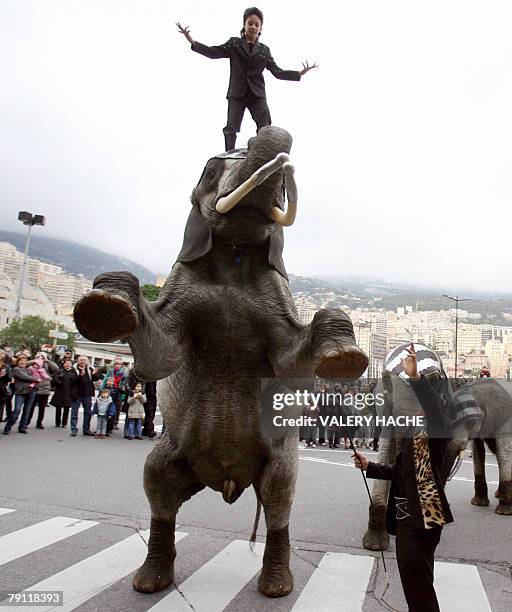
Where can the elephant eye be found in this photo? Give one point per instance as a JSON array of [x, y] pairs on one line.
[[210, 173]]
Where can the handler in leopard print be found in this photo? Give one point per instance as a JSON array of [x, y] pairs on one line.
[[417, 506]]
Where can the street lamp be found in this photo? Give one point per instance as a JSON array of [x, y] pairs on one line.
[[456, 299], [27, 219]]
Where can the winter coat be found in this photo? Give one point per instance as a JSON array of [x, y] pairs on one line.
[[110, 374], [100, 409], [23, 381], [403, 474], [136, 406], [45, 384], [63, 381], [5, 379], [150, 392], [312, 413], [76, 381]]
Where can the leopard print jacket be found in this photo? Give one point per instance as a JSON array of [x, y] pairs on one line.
[[430, 502]]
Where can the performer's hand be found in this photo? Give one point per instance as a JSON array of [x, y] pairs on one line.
[[360, 461], [306, 68], [410, 364], [185, 31]]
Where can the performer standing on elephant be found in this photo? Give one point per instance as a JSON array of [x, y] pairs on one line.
[[248, 58], [417, 506]]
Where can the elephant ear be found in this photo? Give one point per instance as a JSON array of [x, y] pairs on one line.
[[275, 251], [197, 242], [197, 239]]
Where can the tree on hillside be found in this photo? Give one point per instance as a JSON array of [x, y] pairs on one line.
[[31, 332], [150, 292]]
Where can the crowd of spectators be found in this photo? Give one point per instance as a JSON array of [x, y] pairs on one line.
[[28, 382], [334, 401]]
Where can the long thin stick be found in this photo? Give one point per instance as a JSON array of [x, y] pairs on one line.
[[371, 507]]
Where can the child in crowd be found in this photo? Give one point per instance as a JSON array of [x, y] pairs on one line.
[[109, 386], [37, 370], [103, 409], [136, 413]]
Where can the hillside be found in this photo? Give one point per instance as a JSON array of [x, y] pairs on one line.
[[343, 292], [76, 258], [374, 294]]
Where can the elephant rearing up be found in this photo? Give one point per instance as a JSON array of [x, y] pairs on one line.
[[224, 320]]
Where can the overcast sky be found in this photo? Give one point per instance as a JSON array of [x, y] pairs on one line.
[[402, 137]]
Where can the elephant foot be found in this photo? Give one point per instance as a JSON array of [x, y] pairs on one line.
[[275, 579], [104, 317], [157, 572], [372, 541], [349, 362], [152, 577], [480, 501], [505, 496]]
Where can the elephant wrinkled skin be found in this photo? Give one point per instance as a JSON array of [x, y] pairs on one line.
[[224, 320]]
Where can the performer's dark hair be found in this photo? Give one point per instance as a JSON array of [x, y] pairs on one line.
[[247, 13]]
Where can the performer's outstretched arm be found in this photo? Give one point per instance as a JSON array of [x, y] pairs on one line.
[[215, 52], [279, 73], [288, 75]]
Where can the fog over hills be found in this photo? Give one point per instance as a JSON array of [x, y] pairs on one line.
[[343, 292], [76, 258]]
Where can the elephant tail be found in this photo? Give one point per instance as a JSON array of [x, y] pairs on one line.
[[256, 523]]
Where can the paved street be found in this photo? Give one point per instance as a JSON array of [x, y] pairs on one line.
[[73, 517]]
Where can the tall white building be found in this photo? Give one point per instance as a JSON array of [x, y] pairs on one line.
[[62, 289], [469, 338]]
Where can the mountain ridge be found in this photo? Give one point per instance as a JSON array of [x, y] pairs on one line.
[[76, 258], [336, 292]]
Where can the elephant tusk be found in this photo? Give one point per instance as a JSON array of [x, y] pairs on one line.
[[456, 465], [287, 218], [228, 202]]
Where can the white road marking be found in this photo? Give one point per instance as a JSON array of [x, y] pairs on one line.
[[339, 584], [495, 465], [85, 579], [459, 588], [217, 582], [351, 465], [368, 451], [6, 511], [24, 541]]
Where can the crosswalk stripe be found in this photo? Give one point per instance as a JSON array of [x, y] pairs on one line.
[[24, 541], [339, 583], [6, 511], [93, 575], [215, 584], [459, 588]]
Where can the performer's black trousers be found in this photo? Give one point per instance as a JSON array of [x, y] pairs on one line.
[[415, 550], [236, 107]]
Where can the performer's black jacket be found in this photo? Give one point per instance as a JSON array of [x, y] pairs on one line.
[[402, 472], [246, 65]]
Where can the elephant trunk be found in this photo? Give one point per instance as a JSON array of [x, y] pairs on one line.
[[268, 144]]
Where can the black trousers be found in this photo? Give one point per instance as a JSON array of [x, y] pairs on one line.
[[415, 550], [148, 427], [42, 402], [61, 416], [236, 108]]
